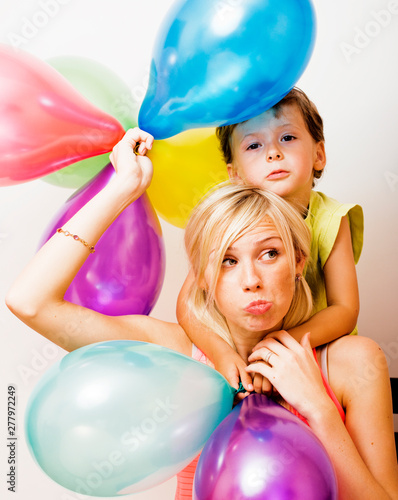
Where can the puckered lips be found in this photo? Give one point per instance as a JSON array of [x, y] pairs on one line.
[[258, 307]]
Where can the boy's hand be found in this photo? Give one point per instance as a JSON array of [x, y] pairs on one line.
[[262, 385], [233, 368]]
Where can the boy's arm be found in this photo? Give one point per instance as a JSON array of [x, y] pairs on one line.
[[225, 359], [340, 317]]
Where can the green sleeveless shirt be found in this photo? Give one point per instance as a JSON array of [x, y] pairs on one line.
[[324, 219]]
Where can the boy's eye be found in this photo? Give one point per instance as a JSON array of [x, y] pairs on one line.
[[228, 262], [288, 138], [255, 145]]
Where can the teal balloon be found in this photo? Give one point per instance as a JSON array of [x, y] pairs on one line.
[[106, 90], [119, 417], [218, 63]]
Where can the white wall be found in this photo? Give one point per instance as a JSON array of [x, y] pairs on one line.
[[352, 77]]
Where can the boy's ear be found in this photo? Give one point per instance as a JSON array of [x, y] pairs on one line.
[[320, 156], [233, 174]]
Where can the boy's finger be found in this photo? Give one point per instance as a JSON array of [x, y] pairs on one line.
[[246, 380], [233, 381], [267, 387], [257, 383]]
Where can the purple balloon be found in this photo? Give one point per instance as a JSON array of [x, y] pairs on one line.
[[262, 451], [126, 272]]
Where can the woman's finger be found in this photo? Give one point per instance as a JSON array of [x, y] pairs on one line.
[[305, 341], [136, 136], [260, 368], [281, 338], [267, 355]]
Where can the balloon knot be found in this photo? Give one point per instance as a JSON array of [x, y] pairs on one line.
[[240, 388]]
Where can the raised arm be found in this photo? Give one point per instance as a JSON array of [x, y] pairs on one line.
[[225, 359], [37, 296]]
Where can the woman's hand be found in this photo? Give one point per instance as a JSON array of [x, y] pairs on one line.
[[292, 370], [132, 167]]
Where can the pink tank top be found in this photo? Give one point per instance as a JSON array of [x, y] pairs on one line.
[[186, 476]]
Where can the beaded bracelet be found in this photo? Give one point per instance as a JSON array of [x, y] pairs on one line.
[[76, 237]]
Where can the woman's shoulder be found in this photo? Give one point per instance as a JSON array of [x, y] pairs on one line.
[[351, 353], [354, 345], [354, 362]]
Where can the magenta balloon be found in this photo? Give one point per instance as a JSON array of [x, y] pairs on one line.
[[262, 451], [45, 124], [125, 274]]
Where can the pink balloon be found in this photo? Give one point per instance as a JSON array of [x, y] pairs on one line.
[[45, 124], [125, 274]]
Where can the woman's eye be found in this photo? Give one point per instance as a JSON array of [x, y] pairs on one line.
[[228, 262], [270, 255], [288, 138]]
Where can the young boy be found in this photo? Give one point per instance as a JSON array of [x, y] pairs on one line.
[[282, 150]]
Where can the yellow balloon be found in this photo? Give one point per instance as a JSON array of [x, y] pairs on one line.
[[186, 166]]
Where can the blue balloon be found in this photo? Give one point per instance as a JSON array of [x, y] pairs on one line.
[[118, 417], [218, 63]]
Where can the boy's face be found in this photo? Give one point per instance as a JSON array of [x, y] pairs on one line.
[[276, 152]]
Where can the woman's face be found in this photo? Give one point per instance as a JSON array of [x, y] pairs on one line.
[[255, 286]]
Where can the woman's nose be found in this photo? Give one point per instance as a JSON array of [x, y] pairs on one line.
[[273, 153], [251, 279]]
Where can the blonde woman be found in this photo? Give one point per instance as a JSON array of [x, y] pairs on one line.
[[247, 249]]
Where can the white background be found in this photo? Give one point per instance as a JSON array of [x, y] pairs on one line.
[[352, 77]]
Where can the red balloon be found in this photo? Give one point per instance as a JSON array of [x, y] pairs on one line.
[[45, 124]]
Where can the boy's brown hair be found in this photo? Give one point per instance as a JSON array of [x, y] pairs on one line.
[[312, 119]]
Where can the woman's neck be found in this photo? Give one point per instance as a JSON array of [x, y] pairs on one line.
[[244, 343]]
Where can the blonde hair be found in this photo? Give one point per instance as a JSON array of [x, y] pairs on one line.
[[222, 217]]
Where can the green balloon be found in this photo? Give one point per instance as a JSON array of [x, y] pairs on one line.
[[78, 174], [107, 91]]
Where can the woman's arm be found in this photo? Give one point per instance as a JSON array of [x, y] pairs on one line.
[[362, 452], [358, 374], [37, 297], [340, 317], [225, 359]]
